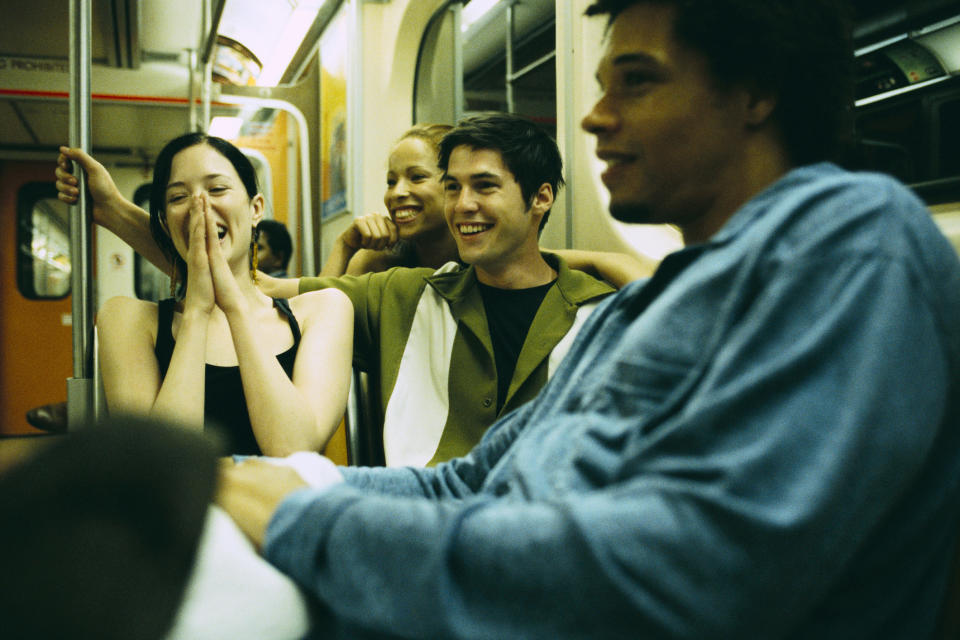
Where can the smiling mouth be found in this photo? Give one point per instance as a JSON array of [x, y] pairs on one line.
[[405, 215], [473, 228]]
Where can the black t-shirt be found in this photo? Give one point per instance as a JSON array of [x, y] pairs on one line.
[[510, 313]]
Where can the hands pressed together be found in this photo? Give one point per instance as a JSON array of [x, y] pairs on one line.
[[210, 282]]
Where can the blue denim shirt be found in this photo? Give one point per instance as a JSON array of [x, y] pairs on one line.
[[761, 441]]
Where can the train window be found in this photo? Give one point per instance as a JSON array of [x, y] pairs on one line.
[[507, 51], [43, 243], [149, 282], [908, 137]]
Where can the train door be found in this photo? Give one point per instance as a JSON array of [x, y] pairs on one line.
[[35, 351]]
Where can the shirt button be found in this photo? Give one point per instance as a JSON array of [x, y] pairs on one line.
[[487, 402]]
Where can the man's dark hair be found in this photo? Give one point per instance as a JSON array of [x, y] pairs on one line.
[[278, 238], [799, 50], [528, 151]]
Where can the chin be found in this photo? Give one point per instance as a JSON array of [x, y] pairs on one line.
[[632, 212]]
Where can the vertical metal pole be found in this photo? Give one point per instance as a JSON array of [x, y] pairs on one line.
[[565, 62], [459, 103], [509, 45], [192, 88], [206, 91], [206, 80], [80, 386]]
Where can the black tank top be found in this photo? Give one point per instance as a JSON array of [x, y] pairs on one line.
[[225, 406]]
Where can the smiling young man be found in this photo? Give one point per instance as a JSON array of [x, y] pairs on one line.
[[452, 350], [761, 441]]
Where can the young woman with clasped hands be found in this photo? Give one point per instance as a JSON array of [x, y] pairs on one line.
[[272, 374]]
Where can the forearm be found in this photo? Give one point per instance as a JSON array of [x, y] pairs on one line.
[[619, 269], [132, 225], [181, 394], [487, 564], [282, 418], [336, 264], [278, 287]]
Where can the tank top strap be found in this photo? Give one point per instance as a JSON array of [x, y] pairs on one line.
[[164, 346], [283, 306]]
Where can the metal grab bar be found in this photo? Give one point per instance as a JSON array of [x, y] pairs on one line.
[[80, 391]]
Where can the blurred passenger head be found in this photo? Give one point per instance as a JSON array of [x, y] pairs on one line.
[[414, 195], [161, 179], [799, 51], [274, 246], [529, 153]]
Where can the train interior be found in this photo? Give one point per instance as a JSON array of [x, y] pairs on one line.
[[316, 114]]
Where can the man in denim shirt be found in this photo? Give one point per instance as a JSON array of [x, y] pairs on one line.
[[761, 441]]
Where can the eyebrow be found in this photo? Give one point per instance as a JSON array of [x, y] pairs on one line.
[[483, 175], [635, 57], [415, 167], [209, 176]]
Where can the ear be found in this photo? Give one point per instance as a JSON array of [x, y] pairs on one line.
[[258, 204], [758, 108], [542, 200]]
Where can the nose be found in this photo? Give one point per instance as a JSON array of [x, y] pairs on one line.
[[600, 119], [401, 187], [464, 201]]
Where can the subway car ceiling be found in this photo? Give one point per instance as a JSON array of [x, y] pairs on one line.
[[908, 88]]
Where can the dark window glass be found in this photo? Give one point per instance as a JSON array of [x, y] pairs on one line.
[[43, 243]]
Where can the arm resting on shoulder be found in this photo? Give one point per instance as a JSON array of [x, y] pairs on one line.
[[618, 269]]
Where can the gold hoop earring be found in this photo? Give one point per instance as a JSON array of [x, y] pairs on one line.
[[254, 261], [174, 280]]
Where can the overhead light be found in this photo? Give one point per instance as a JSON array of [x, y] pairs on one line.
[[227, 127], [474, 11], [272, 31]]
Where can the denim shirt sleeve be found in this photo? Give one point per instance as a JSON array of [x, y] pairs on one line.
[[714, 526]]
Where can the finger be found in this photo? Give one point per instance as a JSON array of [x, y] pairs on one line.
[[393, 231], [198, 229], [372, 236], [213, 243], [64, 176], [79, 156], [64, 166]]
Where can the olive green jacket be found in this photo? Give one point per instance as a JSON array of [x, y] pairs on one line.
[[423, 336]]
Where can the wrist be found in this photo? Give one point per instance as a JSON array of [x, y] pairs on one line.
[[196, 312], [345, 245]]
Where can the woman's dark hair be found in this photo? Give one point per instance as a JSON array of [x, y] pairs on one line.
[[528, 151], [158, 192], [798, 50]]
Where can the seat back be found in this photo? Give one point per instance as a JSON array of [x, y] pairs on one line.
[[363, 423]]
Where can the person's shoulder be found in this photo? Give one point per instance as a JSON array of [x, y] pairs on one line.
[[127, 306], [823, 208], [125, 313], [858, 190], [321, 301]]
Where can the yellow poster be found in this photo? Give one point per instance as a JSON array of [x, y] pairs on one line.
[[333, 116]]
